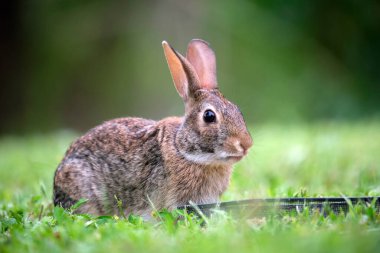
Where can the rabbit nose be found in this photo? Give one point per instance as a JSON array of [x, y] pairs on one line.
[[246, 142]]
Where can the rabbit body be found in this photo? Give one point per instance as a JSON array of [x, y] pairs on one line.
[[146, 164], [129, 159]]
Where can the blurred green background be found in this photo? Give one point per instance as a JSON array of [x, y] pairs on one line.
[[73, 64], [304, 73]]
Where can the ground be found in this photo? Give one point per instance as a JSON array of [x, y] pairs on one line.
[[318, 159]]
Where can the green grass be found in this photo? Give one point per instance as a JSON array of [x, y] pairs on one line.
[[324, 159]]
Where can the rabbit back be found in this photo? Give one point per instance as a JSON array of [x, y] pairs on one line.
[[118, 160]]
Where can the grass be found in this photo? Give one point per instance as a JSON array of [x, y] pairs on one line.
[[321, 159]]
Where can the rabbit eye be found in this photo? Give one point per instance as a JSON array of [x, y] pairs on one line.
[[209, 116]]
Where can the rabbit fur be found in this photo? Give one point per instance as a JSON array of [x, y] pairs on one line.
[[146, 164]]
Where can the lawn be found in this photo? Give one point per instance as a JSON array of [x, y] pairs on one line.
[[319, 159]]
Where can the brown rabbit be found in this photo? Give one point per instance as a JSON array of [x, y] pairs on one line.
[[159, 164]]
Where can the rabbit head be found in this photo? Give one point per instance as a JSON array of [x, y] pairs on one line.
[[213, 130]]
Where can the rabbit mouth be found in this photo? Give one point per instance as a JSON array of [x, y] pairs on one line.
[[231, 157], [210, 158], [234, 157]]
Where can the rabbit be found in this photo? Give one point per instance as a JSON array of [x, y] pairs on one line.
[[138, 165]]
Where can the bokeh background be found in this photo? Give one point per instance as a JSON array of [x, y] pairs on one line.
[[304, 73], [69, 64]]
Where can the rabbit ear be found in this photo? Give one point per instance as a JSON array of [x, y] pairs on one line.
[[185, 78], [202, 58]]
